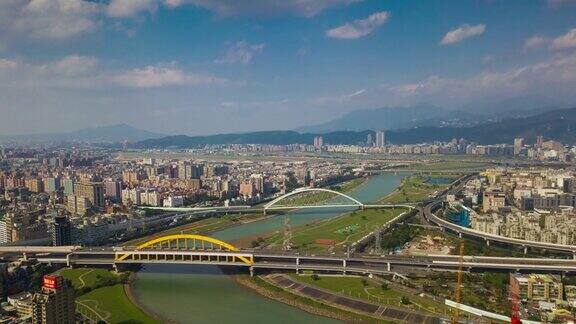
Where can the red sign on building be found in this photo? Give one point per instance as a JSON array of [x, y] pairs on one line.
[[51, 282]]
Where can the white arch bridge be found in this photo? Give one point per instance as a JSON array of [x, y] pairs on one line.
[[351, 202]]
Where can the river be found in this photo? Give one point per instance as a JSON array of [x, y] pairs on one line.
[[200, 294]]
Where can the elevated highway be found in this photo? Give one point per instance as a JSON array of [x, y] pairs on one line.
[[460, 230], [429, 209], [202, 250]]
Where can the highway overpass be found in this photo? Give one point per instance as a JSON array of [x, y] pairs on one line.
[[264, 260], [429, 214]]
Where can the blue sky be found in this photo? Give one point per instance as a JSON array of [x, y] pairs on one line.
[[212, 66]]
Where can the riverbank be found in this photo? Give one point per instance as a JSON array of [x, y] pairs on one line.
[[180, 291], [273, 292], [418, 187]]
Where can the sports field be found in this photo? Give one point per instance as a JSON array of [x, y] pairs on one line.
[[336, 233]]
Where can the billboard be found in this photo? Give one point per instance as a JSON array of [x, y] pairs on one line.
[[51, 282]]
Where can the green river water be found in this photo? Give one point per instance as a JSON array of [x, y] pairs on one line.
[[200, 294]]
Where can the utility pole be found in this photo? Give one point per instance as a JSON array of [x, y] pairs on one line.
[[378, 240], [287, 243]]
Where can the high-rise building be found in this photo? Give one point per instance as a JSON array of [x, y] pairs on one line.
[[518, 145], [131, 196], [68, 185], [133, 177], [247, 189], [113, 189], [318, 142], [54, 304], [51, 184], [35, 185], [369, 141], [539, 141], [258, 181], [61, 232], [380, 138], [150, 197], [93, 191], [77, 205]]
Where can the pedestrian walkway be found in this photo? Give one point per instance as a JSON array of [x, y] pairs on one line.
[[357, 305]]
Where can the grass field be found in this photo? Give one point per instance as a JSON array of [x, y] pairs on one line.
[[368, 289], [452, 165], [113, 305], [87, 277], [416, 188], [343, 230], [102, 291]]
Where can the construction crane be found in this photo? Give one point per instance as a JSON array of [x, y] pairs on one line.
[[458, 290], [515, 311]]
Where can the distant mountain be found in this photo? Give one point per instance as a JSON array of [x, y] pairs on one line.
[[515, 107], [380, 118], [102, 134], [394, 118], [557, 124], [267, 137]]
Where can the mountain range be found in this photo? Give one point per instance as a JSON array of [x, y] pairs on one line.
[[101, 134], [559, 124], [394, 118]]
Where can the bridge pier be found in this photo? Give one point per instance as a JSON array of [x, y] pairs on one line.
[[251, 271], [525, 250], [297, 265], [487, 242], [24, 256], [344, 266], [388, 266], [459, 234]]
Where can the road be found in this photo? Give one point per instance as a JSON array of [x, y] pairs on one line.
[[428, 213], [289, 261]]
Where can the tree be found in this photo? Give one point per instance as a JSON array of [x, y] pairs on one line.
[[315, 277], [405, 300], [384, 286]]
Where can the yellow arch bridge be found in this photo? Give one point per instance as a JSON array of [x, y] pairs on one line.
[[184, 248]]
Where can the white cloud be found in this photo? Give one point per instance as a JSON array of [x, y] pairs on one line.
[[305, 8], [567, 40], [229, 104], [128, 8], [461, 33], [535, 41], [241, 52], [556, 75], [339, 98], [84, 72], [8, 64], [163, 76], [359, 28], [73, 65], [48, 19]]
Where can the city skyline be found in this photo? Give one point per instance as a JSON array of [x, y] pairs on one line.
[[178, 66]]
